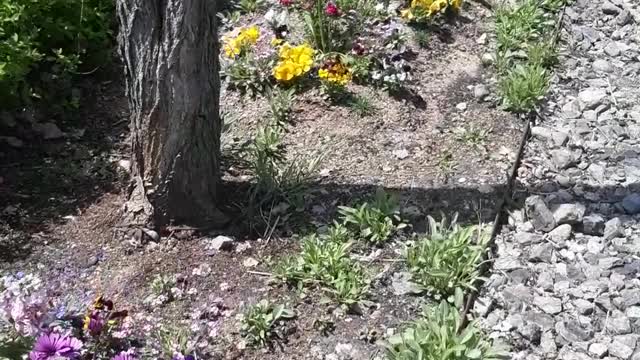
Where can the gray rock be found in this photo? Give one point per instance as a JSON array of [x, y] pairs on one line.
[[595, 246], [602, 65], [630, 297], [618, 323], [539, 214], [613, 228], [572, 331], [558, 138], [527, 238], [633, 312], [541, 253], [480, 91], [623, 346], [610, 9], [548, 343], [624, 18], [571, 110], [584, 307], [609, 262], [592, 97], [562, 158], [12, 141], [568, 213], [561, 234], [612, 49], [221, 242], [507, 263], [631, 203], [593, 224], [548, 304], [545, 281], [49, 131], [598, 350], [402, 284]]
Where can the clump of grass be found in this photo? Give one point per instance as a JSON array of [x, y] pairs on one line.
[[258, 322], [362, 105], [374, 222], [474, 136], [278, 179], [422, 37], [440, 335], [327, 263], [446, 163], [448, 257], [523, 87], [173, 339]]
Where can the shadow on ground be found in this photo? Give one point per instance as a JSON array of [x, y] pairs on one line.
[[45, 181]]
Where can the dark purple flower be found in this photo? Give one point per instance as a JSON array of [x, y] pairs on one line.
[[94, 323], [55, 346], [125, 355]]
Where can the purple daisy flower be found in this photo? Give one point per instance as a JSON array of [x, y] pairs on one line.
[[125, 355], [55, 346]]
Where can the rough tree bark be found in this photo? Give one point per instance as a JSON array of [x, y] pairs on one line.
[[170, 55]]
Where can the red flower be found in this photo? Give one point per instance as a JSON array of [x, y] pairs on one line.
[[332, 9], [286, 2]]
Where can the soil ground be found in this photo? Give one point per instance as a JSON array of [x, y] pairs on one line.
[[61, 210]]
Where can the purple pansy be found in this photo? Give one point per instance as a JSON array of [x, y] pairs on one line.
[[55, 346]]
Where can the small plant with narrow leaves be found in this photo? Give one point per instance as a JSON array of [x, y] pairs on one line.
[[258, 323], [440, 335], [361, 105], [448, 257], [374, 222], [523, 87]]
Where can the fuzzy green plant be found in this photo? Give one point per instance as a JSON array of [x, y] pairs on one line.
[[326, 262], [250, 6], [280, 102], [523, 87], [376, 221], [517, 27], [439, 335], [248, 75], [448, 257], [258, 322]]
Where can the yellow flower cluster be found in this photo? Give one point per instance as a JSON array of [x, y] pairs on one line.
[[335, 73], [234, 46], [428, 8], [294, 62]]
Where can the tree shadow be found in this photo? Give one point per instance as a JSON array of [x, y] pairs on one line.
[[45, 181]]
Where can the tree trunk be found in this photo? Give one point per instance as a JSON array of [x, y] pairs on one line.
[[170, 54]]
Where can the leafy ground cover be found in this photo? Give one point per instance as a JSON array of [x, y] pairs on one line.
[[358, 120]]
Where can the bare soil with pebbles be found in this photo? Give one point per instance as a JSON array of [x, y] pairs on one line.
[[565, 282]]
